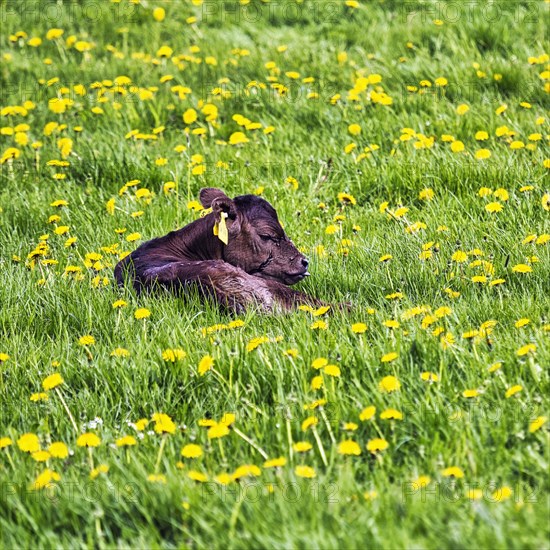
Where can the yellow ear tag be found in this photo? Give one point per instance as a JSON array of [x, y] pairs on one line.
[[223, 235], [205, 212]]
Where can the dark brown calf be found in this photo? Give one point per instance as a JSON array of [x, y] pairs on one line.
[[238, 254]]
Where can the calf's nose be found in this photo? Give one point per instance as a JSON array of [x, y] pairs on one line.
[[305, 262]]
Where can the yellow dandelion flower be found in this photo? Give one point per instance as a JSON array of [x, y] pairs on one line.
[[426, 194], [275, 463], [513, 390], [173, 355], [421, 482], [46, 478], [237, 138], [317, 382], [101, 469], [522, 268], [58, 449], [159, 14], [349, 447], [87, 340], [302, 446], [256, 342], [457, 146], [120, 352], [52, 34], [459, 256], [389, 357], [141, 424], [391, 414], [223, 478], [389, 384], [126, 441], [246, 470], [205, 364], [493, 207], [41, 396], [308, 422], [28, 443], [133, 237], [494, 367], [156, 478], [52, 381], [537, 424], [218, 430], [41, 456], [5, 442], [376, 445], [88, 440], [367, 413], [504, 493], [332, 370], [163, 423], [305, 471], [319, 363], [142, 313], [453, 471], [346, 198], [191, 451], [400, 212]]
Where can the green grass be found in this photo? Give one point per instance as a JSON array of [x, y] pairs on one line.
[[369, 500]]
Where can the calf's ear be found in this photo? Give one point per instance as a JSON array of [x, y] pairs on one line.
[[227, 224], [223, 204], [208, 194]]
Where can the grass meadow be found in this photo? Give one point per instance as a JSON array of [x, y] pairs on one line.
[[405, 148]]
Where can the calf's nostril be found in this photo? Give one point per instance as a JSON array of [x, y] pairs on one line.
[[305, 262]]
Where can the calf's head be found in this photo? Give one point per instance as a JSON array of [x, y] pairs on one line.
[[256, 241]]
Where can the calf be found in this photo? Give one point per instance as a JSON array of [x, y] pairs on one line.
[[237, 253]]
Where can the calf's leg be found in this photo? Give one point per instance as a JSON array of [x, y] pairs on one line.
[[287, 298], [229, 286]]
